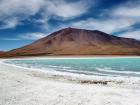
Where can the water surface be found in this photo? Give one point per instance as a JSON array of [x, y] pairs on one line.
[[89, 66]]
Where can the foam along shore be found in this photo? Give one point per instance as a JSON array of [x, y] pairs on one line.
[[20, 86]]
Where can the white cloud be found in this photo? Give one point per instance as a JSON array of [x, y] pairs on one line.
[[18, 7], [131, 34], [10, 39], [10, 23], [108, 25], [66, 10], [130, 9], [22, 9], [62, 10], [27, 36], [14, 11], [32, 36]]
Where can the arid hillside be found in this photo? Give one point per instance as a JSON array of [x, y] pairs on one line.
[[71, 41]]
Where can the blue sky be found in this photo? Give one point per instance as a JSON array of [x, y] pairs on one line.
[[24, 21]]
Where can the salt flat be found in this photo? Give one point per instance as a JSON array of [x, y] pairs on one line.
[[19, 86]]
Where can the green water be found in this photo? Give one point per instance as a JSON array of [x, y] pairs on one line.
[[89, 66]]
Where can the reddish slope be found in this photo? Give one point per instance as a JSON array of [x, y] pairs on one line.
[[70, 41], [1, 52]]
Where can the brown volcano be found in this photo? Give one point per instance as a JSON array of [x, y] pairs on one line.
[[1, 52], [71, 41]]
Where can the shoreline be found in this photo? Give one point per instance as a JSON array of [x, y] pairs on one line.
[[80, 78], [67, 57], [20, 86], [73, 56]]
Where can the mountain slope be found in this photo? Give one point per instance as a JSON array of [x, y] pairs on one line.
[[1, 52], [71, 41]]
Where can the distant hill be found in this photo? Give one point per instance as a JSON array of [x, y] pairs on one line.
[[1, 52], [71, 41]]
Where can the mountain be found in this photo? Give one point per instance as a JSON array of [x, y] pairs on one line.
[[1, 51], [71, 41]]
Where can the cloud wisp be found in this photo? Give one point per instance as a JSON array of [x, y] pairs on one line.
[[9, 23], [18, 10], [109, 26], [63, 10], [13, 12], [27, 36], [131, 34], [32, 36]]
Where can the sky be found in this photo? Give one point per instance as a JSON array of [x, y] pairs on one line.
[[24, 21]]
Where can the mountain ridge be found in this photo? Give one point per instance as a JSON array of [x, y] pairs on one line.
[[72, 41]]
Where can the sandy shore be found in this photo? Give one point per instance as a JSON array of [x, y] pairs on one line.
[[19, 86]]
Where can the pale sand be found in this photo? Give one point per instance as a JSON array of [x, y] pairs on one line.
[[19, 86]]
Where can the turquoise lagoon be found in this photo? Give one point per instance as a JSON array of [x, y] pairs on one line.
[[106, 66]]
